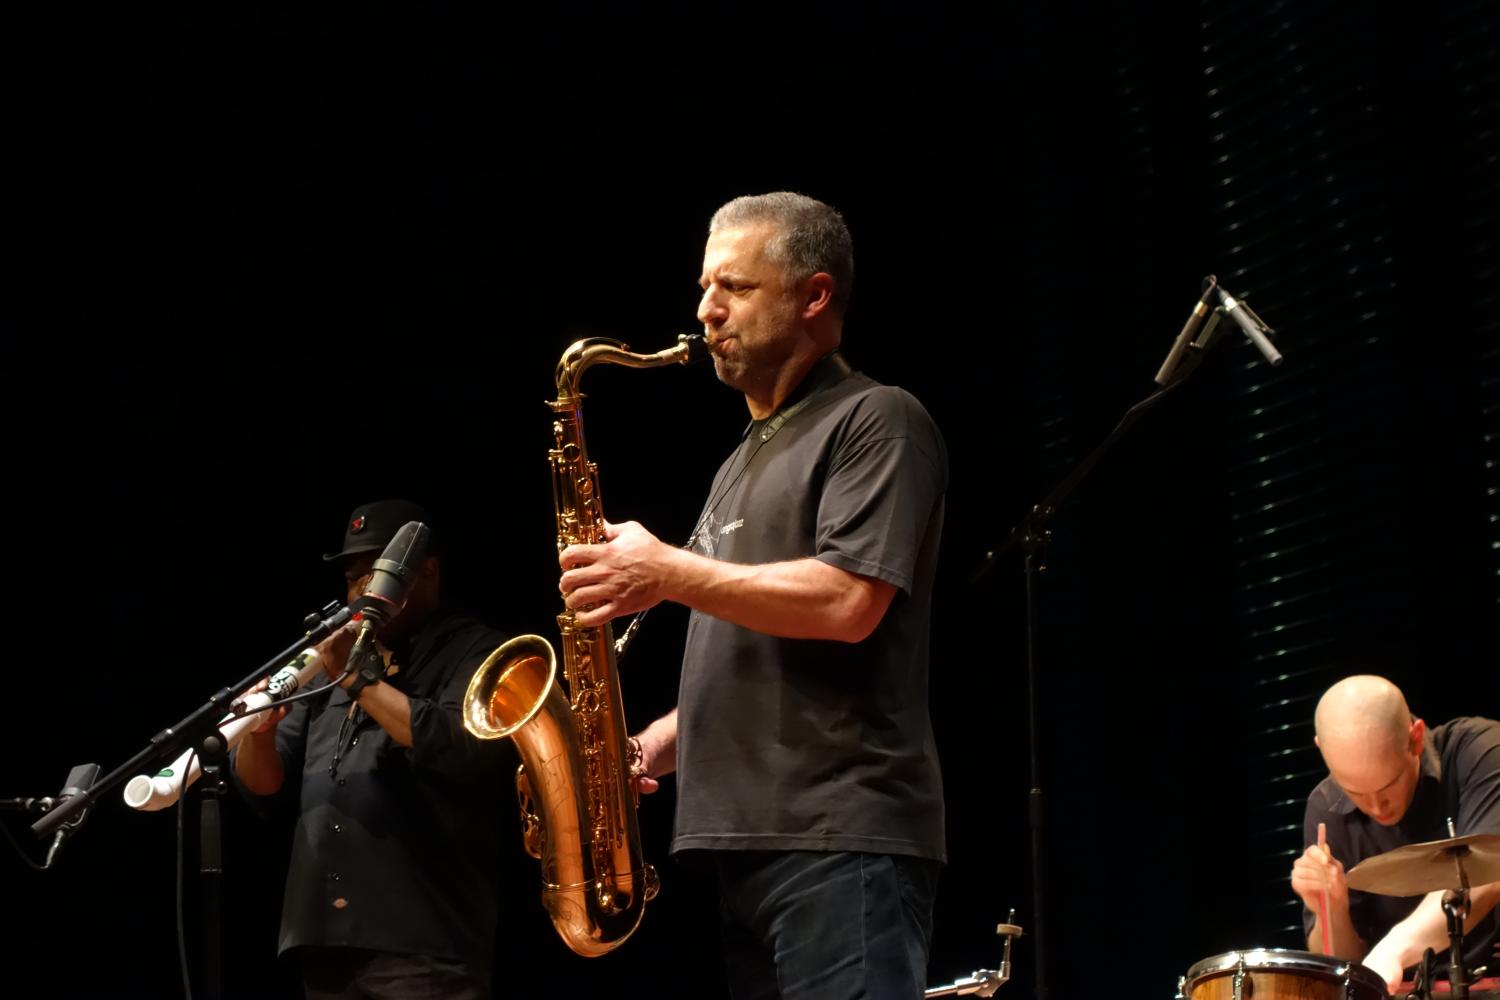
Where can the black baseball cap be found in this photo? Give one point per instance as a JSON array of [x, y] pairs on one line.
[[371, 526]]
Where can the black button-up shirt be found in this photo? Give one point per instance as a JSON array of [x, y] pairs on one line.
[[1460, 780], [396, 848]]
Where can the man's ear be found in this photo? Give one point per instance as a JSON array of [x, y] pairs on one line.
[[1418, 730], [817, 294]]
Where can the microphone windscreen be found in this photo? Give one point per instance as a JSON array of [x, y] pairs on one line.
[[394, 570]]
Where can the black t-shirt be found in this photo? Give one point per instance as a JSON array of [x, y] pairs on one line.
[[1460, 779], [789, 744], [397, 849]]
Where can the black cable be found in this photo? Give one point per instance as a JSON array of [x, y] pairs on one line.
[[21, 851], [311, 692]]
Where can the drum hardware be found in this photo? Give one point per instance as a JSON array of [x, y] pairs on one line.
[[1456, 909], [1426, 985], [1421, 987], [1417, 869], [1237, 991], [984, 982]]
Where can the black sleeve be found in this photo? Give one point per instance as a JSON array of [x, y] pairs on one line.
[[442, 749], [1475, 762], [884, 480]]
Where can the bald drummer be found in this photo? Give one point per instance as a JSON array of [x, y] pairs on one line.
[[1392, 782]]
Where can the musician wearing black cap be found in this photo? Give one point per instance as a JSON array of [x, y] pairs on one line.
[[392, 886], [1393, 783]]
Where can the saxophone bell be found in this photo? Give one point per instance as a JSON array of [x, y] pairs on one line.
[[510, 687]]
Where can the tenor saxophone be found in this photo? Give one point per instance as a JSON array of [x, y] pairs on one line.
[[578, 807]]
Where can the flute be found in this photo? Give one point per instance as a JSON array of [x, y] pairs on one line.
[[150, 792]]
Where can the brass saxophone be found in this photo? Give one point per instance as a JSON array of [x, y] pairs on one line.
[[578, 808]]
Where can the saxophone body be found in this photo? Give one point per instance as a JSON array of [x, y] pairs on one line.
[[578, 808]]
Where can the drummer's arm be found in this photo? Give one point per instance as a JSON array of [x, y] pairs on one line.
[[1318, 877], [1427, 927], [1342, 936]]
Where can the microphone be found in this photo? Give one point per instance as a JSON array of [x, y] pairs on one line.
[[1253, 326], [390, 580], [80, 780], [393, 572], [1189, 330]]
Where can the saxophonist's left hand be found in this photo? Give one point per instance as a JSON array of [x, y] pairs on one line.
[[623, 575]]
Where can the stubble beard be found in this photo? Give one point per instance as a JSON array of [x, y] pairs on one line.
[[754, 370]]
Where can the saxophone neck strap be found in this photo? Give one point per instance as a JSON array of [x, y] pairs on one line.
[[828, 370]]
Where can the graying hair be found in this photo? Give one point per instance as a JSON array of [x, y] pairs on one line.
[[810, 237]]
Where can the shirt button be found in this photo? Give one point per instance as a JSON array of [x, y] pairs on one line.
[[340, 903], [354, 742], [341, 782], [334, 876], [338, 828]]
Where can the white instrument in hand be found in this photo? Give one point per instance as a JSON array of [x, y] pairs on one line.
[[152, 792]]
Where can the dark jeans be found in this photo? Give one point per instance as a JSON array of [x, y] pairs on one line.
[[355, 974], [809, 925]]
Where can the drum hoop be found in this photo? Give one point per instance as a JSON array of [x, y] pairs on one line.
[[1285, 960]]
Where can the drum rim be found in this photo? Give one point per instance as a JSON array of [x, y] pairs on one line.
[[1273, 959]]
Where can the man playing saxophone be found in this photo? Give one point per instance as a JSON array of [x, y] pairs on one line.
[[808, 780]]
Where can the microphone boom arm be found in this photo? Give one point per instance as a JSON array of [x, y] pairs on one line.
[[191, 729]]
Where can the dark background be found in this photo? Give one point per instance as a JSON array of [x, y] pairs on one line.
[[263, 264]]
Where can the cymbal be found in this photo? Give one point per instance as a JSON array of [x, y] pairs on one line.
[[1417, 869]]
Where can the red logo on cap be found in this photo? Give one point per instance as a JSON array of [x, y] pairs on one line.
[[357, 525]]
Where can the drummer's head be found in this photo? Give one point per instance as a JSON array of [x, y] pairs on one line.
[[1372, 745]]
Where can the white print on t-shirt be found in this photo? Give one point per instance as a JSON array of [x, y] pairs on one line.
[[705, 541]]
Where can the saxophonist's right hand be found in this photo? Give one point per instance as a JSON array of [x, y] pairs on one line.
[[620, 576]]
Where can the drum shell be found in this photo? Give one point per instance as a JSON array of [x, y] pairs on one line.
[[1281, 974]]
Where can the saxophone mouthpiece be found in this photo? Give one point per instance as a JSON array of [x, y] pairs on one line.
[[697, 348]]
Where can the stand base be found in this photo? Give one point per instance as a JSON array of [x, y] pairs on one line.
[[1485, 989]]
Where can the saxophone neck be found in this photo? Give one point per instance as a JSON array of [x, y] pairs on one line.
[[584, 354]]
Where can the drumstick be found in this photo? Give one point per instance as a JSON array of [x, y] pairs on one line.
[[1323, 893]]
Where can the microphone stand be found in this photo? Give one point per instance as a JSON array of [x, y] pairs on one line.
[[1031, 536], [200, 729], [213, 755]]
